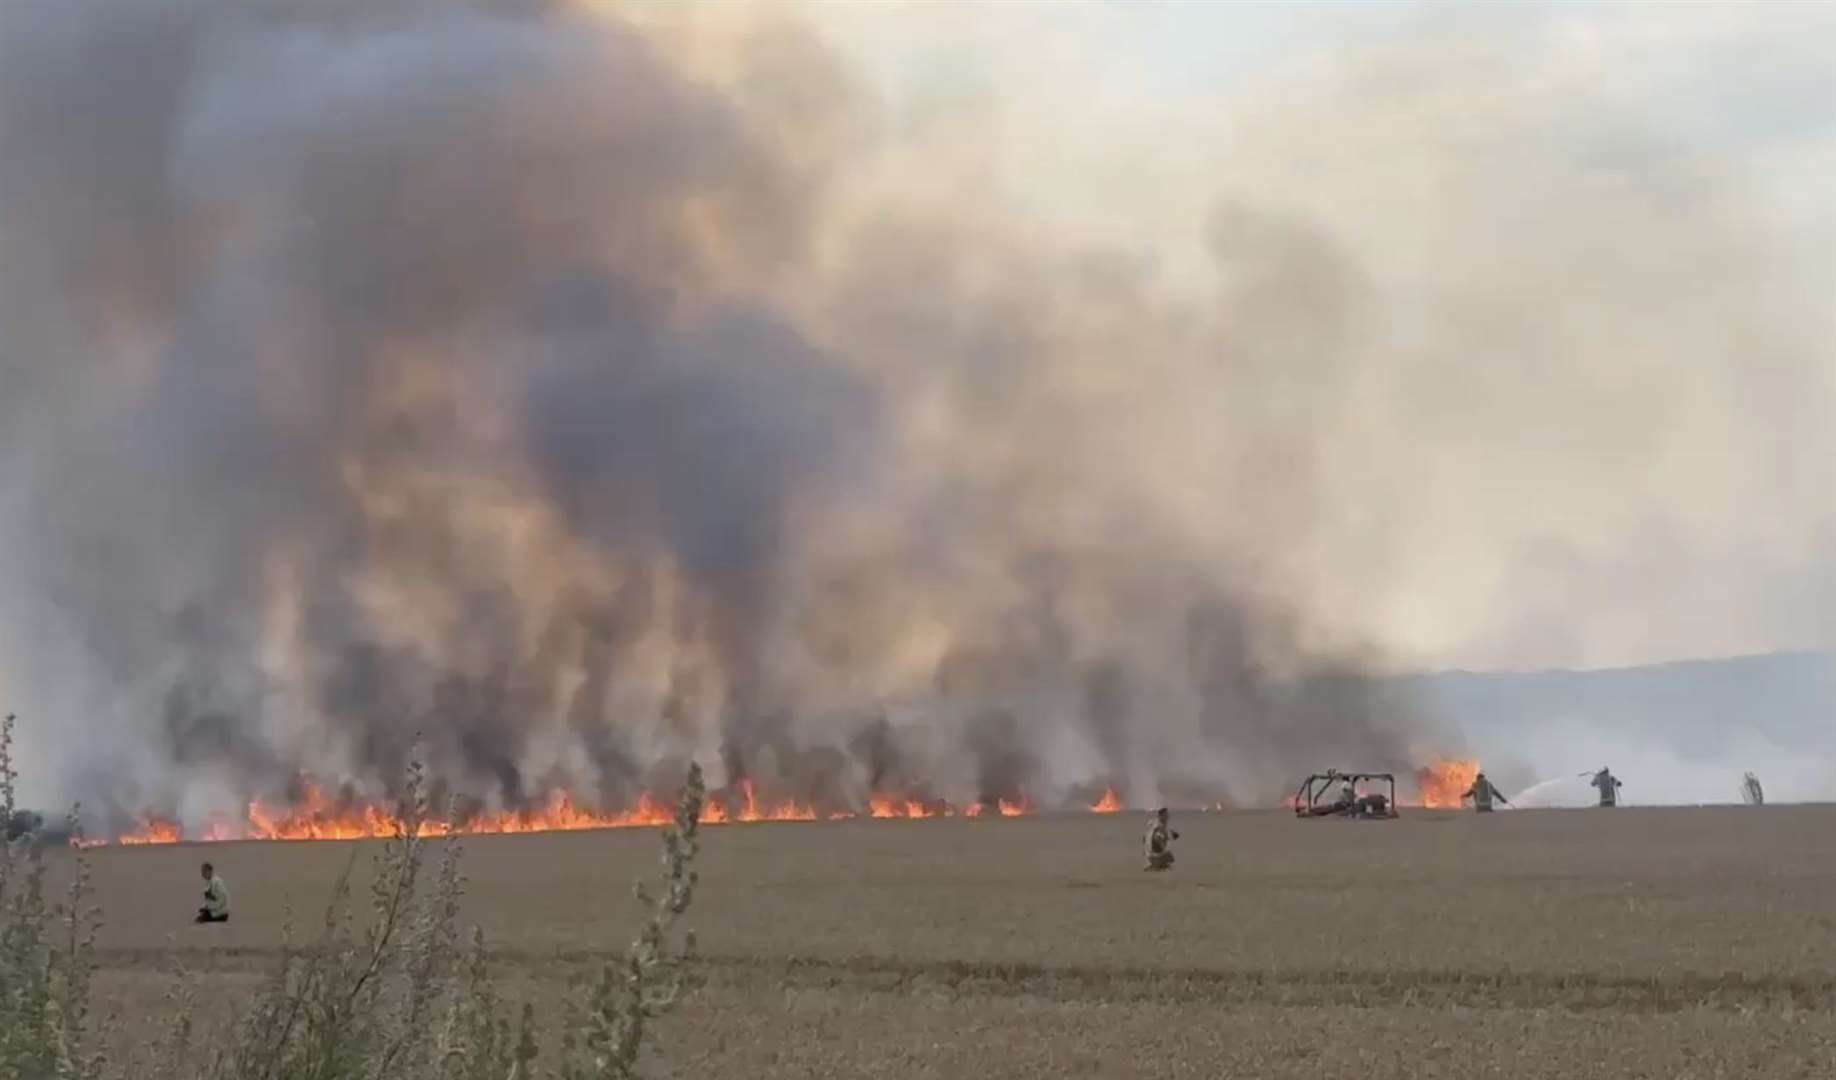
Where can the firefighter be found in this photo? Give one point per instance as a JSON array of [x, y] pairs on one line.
[[1159, 842], [216, 897], [1609, 786], [1482, 793]]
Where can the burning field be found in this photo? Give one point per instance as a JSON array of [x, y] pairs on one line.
[[316, 817], [529, 386], [313, 815], [574, 396], [1643, 943]]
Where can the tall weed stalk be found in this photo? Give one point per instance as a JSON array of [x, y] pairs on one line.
[[389, 993]]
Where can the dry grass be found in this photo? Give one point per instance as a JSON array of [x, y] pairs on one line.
[[390, 994], [1634, 943]]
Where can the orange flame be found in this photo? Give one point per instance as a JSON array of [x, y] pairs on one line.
[[154, 832], [904, 806], [751, 811], [316, 817], [1108, 804], [1444, 781]]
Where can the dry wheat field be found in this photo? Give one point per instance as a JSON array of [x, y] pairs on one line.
[[1663, 943]]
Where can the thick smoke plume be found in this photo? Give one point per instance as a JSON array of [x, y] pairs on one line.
[[490, 373], [588, 394], [588, 391]]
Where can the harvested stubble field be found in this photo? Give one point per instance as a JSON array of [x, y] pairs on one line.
[[1633, 943]]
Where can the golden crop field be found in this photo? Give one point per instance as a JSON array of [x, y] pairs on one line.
[[1662, 943]]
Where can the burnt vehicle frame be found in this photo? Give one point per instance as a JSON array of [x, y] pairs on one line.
[[1318, 796]]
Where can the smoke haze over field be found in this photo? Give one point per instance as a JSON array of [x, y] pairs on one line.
[[589, 388]]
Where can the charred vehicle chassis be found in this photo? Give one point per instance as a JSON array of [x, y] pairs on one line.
[[1320, 795]]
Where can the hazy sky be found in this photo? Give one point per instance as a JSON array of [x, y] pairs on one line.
[[1588, 419]]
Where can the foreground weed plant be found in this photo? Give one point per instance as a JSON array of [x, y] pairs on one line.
[[385, 992]]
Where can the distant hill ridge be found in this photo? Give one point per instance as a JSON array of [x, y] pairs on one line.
[[1682, 731], [1790, 696]]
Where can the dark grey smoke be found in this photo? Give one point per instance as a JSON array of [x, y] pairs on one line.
[[396, 368]]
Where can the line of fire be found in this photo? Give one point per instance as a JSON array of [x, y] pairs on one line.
[[318, 816]]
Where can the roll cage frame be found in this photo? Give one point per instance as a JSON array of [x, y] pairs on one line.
[[1308, 798]]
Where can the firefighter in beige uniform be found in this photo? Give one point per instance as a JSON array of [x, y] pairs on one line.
[[216, 897], [1159, 842]]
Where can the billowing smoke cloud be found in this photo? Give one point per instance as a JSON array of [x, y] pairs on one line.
[[449, 370], [588, 395]]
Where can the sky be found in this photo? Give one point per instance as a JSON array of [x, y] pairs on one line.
[[1634, 199]]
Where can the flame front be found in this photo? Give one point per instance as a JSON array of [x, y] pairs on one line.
[[1444, 781], [153, 832], [1110, 803], [316, 817]]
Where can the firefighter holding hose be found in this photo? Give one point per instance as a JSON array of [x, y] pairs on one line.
[[1482, 793], [1608, 786]]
